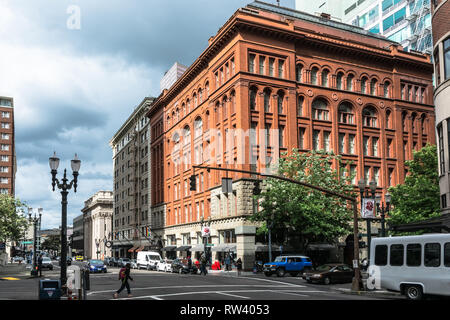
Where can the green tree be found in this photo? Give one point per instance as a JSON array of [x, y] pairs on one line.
[[418, 198], [315, 216], [12, 223], [53, 242]]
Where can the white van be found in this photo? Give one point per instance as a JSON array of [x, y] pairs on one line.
[[413, 265], [148, 259]]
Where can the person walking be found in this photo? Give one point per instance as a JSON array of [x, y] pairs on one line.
[[203, 262], [40, 265], [124, 275], [239, 266], [189, 263], [227, 262]]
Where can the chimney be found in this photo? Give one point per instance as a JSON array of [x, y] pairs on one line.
[[325, 15]]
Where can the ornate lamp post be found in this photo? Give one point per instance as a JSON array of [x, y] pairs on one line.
[[64, 186], [35, 220], [373, 189], [383, 208]]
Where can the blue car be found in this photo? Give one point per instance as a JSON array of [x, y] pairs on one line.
[[292, 264], [96, 266]]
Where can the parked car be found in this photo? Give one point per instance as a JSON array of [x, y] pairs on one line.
[[148, 259], [330, 273], [114, 262], [79, 258], [165, 265], [133, 264], [122, 262], [17, 259], [47, 263], [96, 266], [181, 266], [292, 264]]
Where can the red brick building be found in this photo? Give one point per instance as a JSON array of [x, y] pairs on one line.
[[7, 147], [315, 83]]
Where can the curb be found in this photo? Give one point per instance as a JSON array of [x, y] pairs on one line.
[[374, 292]]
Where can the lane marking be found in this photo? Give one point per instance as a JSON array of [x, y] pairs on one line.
[[287, 292], [232, 295]]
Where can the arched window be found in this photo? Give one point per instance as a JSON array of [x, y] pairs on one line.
[[183, 106], [186, 135], [363, 85], [422, 124], [168, 121], [314, 72], [200, 96], [233, 102], [373, 87], [325, 73], [386, 87], [195, 100], [252, 98], [207, 89], [298, 72], [216, 111], [404, 126], [188, 105], [345, 113], [320, 109], [177, 112], [198, 127], [176, 141], [413, 122], [370, 117], [280, 98], [339, 79], [350, 82], [267, 100], [300, 102], [388, 119], [225, 107]]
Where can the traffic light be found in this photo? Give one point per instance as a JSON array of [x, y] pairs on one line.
[[192, 183], [256, 188]]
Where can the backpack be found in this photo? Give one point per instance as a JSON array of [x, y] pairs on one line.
[[122, 273]]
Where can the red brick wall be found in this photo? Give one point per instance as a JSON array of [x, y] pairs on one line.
[[440, 20]]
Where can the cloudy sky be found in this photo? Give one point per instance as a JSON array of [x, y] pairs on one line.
[[76, 70]]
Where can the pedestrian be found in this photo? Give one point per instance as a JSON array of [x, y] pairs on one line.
[[40, 265], [239, 266], [203, 262], [124, 275], [227, 262], [189, 263]]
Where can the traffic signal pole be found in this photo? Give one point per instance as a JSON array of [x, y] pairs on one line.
[[356, 283]]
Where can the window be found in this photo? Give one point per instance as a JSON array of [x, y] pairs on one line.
[[316, 134], [350, 82], [373, 87], [5, 158], [432, 257], [353, 173], [339, 78], [413, 255], [314, 72], [280, 97], [441, 149], [262, 61], [271, 66], [447, 254], [325, 73], [266, 100], [374, 147], [351, 144], [346, 113], [396, 255], [5, 114], [301, 138], [326, 141], [5, 125], [251, 63], [447, 58], [386, 89], [341, 143], [298, 72], [381, 255], [370, 117], [363, 85], [443, 201], [300, 101], [281, 136], [281, 68], [365, 146], [320, 109], [252, 98]]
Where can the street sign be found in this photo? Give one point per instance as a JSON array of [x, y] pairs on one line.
[[27, 242], [206, 231], [210, 244]]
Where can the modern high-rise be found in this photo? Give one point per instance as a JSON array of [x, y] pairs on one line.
[[407, 22], [132, 218], [172, 75], [441, 39], [8, 165]]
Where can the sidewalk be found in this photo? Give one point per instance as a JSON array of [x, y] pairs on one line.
[[14, 271], [370, 292]]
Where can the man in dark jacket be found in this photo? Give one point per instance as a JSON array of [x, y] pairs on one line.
[[124, 275], [40, 265]]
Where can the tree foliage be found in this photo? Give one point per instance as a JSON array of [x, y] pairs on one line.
[[315, 216], [53, 242], [418, 198], [12, 222]]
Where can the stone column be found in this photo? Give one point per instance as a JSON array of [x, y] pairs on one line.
[[245, 246]]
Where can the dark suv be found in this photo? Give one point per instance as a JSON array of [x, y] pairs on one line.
[[292, 264]]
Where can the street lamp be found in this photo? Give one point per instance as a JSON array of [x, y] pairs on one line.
[[35, 220], [373, 189], [383, 208], [64, 186], [97, 244]]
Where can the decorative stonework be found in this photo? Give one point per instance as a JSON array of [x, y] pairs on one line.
[[359, 101], [309, 92], [334, 96]]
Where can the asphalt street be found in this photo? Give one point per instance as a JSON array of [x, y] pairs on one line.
[[154, 285]]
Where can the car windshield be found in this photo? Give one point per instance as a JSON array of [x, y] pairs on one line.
[[95, 262], [279, 259], [125, 259], [324, 267], [46, 259]]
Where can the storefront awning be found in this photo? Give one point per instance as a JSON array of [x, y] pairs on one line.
[[169, 248], [198, 247], [265, 248], [132, 249], [224, 247], [140, 249], [183, 248]]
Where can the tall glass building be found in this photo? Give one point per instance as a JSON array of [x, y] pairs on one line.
[[407, 22]]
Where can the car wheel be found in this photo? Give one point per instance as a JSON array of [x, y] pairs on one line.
[[268, 274], [326, 281], [281, 272], [414, 292], [294, 274]]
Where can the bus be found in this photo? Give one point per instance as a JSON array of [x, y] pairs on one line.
[[415, 266]]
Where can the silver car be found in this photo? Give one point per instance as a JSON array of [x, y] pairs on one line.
[[47, 263]]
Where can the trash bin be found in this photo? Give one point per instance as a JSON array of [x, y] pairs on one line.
[[50, 289]]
